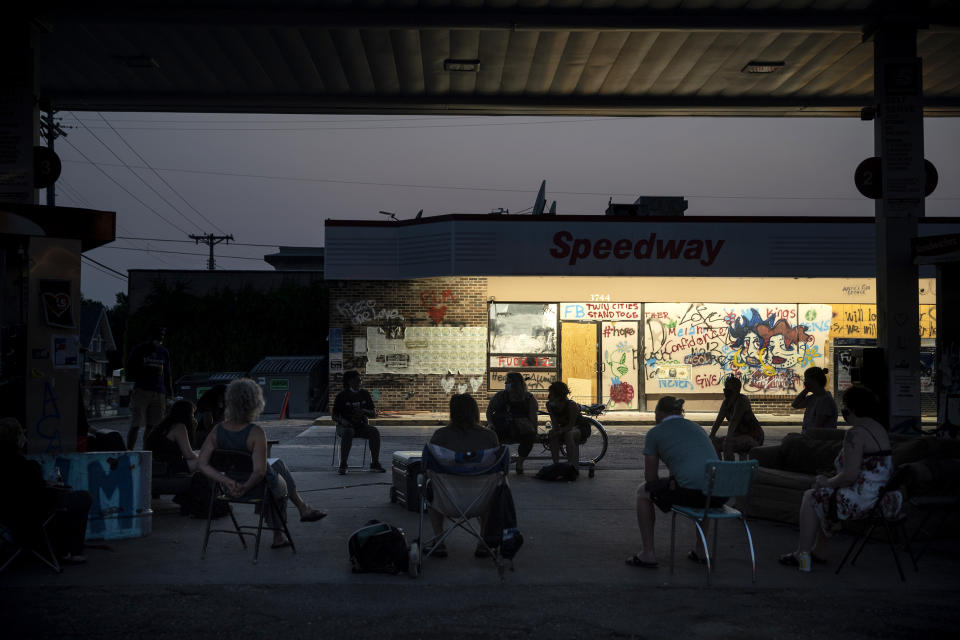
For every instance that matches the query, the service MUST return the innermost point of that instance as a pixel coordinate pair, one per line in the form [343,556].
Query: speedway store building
[624,310]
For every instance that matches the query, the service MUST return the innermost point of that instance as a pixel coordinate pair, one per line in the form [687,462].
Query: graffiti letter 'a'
[47,427]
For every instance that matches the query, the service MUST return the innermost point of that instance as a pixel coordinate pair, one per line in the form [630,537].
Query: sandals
[790,560]
[313,515]
[636,561]
[693,556]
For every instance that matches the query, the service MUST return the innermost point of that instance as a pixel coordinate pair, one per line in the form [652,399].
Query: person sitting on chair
[512,414]
[819,407]
[864,466]
[29,500]
[352,409]
[683,446]
[743,429]
[171,440]
[209,412]
[463,434]
[564,418]
[244,404]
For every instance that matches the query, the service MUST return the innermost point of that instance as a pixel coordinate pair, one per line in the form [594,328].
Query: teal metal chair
[729,479]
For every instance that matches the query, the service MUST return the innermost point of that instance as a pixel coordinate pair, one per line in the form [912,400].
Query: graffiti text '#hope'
[566,246]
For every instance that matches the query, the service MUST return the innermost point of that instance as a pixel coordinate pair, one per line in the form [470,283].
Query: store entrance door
[578,356]
[620,360]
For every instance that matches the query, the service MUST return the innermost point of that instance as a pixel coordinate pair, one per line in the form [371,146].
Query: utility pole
[211,240]
[50,129]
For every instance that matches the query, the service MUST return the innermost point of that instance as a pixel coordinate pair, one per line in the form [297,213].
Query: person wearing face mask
[743,429]
[819,407]
[864,466]
[149,368]
[564,417]
[352,409]
[512,414]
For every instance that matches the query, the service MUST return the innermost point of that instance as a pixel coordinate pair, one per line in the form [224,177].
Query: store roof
[512,57]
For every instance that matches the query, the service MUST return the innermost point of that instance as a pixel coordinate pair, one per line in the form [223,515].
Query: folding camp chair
[887,512]
[238,465]
[730,479]
[41,548]
[461,487]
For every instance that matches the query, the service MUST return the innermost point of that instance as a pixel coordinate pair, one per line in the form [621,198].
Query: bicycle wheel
[595,447]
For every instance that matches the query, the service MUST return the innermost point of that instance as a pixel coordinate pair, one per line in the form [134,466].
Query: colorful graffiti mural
[692,347]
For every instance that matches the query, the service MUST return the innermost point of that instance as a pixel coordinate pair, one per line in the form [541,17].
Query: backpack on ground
[501,529]
[378,547]
[561,471]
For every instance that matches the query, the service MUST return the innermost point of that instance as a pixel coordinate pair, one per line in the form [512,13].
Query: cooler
[406,466]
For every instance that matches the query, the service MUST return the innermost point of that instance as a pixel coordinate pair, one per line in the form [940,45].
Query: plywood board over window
[578,357]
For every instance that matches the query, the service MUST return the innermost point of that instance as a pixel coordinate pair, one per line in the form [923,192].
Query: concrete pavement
[570,580]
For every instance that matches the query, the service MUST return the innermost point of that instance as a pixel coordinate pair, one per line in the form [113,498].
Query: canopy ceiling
[571,57]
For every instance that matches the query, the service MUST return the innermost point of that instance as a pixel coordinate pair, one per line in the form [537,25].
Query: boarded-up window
[523,328]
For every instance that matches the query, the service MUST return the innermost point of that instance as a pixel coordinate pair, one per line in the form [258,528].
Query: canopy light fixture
[756,66]
[139,62]
[451,64]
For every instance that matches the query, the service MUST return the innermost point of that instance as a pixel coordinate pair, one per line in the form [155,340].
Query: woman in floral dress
[864,466]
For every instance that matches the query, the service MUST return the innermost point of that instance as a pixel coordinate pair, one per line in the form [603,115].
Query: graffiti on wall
[47,426]
[694,347]
[367,312]
[425,350]
[586,311]
[434,302]
[535,380]
[860,321]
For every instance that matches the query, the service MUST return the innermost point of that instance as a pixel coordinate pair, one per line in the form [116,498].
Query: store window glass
[523,328]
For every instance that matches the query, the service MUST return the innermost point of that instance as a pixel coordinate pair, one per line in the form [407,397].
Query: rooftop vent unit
[646,206]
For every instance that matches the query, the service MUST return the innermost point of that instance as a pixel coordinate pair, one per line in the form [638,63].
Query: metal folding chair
[335,459]
[16,546]
[728,479]
[888,513]
[238,465]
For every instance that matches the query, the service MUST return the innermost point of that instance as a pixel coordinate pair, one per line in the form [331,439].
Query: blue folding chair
[729,479]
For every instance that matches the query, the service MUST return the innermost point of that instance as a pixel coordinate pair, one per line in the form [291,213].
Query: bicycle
[593,446]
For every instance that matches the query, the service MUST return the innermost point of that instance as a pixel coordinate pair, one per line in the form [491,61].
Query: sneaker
[342,471]
[375,466]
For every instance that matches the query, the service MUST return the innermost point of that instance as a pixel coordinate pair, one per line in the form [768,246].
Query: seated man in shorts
[685,449]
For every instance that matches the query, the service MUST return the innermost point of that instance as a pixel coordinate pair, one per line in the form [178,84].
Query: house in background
[96,339]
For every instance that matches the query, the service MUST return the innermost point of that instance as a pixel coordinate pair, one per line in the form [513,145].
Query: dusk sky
[273,179]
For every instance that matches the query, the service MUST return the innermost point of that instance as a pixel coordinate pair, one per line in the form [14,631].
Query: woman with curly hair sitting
[244,404]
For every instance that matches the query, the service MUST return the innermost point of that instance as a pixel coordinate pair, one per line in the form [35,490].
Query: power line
[491,189]
[181,253]
[138,176]
[235,244]
[260,121]
[156,173]
[128,192]
[105,269]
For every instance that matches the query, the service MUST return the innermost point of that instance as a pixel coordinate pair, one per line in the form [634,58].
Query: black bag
[561,471]
[378,547]
[501,526]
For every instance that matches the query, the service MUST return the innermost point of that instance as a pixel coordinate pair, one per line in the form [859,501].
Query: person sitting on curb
[743,429]
[352,409]
[512,414]
[685,449]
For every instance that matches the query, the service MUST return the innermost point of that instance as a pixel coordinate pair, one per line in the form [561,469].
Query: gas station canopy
[501,57]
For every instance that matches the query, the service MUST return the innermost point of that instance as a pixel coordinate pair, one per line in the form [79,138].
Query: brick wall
[428,302]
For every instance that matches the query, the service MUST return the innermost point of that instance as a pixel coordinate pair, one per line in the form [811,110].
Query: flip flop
[313,515]
[635,561]
[693,556]
[789,560]
[280,545]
